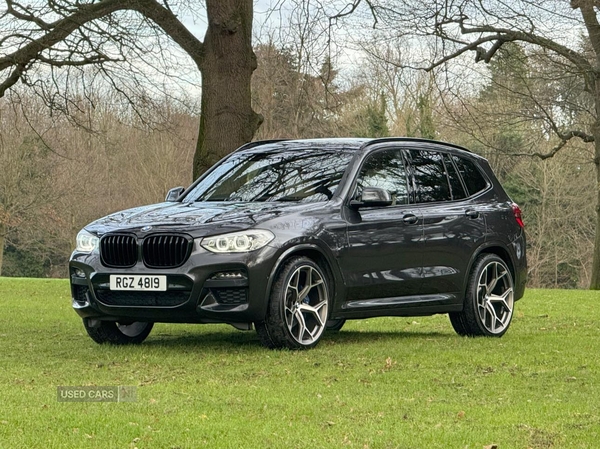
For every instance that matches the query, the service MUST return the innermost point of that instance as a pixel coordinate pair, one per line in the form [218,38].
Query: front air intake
[166,250]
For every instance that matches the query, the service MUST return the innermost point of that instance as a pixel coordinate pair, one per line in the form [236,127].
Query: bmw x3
[294,237]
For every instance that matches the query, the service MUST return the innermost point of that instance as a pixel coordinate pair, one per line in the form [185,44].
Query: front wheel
[298,307]
[489,299]
[117,333]
[335,325]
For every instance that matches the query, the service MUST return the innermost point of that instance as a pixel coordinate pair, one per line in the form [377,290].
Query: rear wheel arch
[492,248]
[488,305]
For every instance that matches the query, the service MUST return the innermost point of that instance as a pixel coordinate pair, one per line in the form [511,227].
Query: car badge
[146,228]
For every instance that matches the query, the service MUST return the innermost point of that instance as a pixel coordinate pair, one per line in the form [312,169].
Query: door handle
[472,213]
[410,219]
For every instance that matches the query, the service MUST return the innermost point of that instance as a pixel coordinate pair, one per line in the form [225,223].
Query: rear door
[453,225]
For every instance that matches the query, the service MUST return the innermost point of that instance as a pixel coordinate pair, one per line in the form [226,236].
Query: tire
[335,325]
[116,333]
[298,307]
[489,299]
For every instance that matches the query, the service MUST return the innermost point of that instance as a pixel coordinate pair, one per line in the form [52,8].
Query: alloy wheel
[495,297]
[306,305]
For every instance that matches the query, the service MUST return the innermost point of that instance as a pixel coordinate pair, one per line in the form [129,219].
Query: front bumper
[196,292]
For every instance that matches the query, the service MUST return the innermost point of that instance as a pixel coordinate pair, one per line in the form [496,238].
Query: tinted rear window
[471,175]
[429,173]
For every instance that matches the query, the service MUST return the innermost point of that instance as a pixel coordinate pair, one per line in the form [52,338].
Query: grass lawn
[379,383]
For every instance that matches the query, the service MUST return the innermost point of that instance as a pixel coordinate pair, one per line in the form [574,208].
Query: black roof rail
[413,139]
[256,143]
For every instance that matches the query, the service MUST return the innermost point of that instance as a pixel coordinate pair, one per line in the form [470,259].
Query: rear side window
[474,180]
[429,174]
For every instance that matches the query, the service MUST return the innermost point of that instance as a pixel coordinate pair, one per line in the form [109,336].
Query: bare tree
[47,45]
[447,31]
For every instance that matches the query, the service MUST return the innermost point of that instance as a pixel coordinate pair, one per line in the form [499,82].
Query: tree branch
[61,29]
[591,22]
[510,35]
[565,138]
[10,8]
[96,59]
[12,79]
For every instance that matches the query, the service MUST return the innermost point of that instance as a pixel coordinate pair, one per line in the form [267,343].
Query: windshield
[307,175]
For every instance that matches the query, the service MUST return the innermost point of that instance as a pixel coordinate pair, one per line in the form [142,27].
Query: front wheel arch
[320,257]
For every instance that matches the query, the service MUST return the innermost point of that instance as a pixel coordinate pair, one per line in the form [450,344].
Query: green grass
[379,383]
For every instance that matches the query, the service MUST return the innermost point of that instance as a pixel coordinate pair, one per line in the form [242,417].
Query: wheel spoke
[294,281]
[289,317]
[497,277]
[315,311]
[483,284]
[493,316]
[503,299]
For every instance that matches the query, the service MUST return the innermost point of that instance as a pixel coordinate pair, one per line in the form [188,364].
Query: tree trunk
[2,236]
[227,119]
[595,283]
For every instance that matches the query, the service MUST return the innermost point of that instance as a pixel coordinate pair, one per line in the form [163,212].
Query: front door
[382,262]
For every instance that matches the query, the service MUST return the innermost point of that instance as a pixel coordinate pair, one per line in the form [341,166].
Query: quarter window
[385,169]
[474,180]
[456,186]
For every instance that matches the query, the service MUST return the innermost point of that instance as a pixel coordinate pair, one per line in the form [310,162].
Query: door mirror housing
[174,194]
[373,197]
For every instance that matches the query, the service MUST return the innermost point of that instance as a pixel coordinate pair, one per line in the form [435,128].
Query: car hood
[200,218]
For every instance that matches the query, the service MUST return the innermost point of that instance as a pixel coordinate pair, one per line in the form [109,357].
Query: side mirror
[174,193]
[373,197]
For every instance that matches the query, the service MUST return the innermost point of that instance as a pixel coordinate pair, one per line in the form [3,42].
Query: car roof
[348,143]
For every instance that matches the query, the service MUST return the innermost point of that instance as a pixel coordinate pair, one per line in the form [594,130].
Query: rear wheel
[489,300]
[298,307]
[117,333]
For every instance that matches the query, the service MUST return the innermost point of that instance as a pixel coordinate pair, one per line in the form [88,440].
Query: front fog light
[79,273]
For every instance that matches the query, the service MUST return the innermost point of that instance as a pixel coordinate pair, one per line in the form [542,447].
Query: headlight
[237,242]
[86,242]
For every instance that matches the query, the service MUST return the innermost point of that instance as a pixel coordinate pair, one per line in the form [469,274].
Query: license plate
[138,282]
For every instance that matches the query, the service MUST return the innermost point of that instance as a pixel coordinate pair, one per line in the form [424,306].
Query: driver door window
[385,169]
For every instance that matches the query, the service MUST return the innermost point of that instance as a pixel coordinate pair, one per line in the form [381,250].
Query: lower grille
[230,296]
[79,293]
[156,299]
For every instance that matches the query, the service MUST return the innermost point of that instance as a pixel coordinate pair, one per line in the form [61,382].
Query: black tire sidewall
[109,332]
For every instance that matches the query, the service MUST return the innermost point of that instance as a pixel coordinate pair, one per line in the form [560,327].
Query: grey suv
[295,237]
